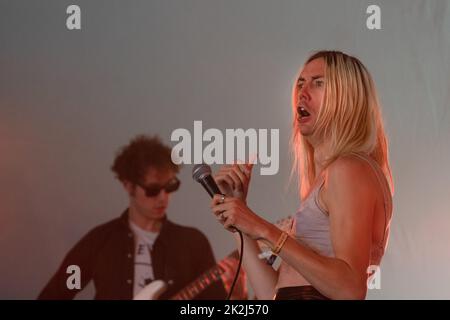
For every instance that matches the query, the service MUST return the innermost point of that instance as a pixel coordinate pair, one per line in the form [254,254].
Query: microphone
[202,174]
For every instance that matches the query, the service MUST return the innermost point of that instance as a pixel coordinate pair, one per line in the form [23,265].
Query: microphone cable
[239,265]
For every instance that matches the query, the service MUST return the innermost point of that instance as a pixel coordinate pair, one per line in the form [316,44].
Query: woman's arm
[349,196]
[263,278]
[233,181]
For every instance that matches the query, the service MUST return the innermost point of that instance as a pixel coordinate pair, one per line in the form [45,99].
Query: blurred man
[128,253]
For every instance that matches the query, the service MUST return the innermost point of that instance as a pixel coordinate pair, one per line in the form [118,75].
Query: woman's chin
[305,131]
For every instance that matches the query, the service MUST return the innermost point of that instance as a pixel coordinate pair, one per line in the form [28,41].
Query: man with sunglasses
[126,254]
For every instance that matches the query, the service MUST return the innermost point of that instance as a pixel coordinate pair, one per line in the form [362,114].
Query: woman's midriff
[289,277]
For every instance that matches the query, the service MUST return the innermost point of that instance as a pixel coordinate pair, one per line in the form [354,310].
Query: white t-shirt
[143,268]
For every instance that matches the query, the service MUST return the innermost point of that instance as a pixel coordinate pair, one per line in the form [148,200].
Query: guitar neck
[204,281]
[213,275]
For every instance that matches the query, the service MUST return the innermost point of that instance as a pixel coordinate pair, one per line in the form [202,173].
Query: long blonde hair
[349,119]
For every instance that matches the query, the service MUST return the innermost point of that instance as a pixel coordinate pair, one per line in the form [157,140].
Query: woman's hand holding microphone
[231,208]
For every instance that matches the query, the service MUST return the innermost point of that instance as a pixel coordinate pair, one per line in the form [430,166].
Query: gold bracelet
[280,242]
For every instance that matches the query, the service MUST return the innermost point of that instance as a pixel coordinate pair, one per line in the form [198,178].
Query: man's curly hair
[133,160]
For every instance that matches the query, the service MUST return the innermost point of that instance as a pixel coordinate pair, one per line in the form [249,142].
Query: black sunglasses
[154,189]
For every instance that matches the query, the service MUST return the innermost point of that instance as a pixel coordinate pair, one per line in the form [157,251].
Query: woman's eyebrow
[301,79]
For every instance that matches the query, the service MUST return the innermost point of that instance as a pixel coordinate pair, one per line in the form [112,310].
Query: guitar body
[152,291]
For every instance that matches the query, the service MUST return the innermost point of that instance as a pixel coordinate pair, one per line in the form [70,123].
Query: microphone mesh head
[200,171]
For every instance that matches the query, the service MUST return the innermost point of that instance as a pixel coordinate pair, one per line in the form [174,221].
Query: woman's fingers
[217,199]
[233,180]
[249,167]
[224,177]
[221,199]
[240,180]
[223,208]
[245,171]
[238,183]
[229,224]
[220,204]
[219,208]
[242,176]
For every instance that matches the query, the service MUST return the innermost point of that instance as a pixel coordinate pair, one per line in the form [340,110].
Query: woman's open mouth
[302,113]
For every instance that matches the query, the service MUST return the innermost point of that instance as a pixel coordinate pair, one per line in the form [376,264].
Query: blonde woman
[341,157]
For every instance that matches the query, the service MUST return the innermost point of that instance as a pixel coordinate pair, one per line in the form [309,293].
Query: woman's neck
[319,159]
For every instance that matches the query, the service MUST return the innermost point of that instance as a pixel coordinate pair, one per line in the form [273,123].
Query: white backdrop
[69,99]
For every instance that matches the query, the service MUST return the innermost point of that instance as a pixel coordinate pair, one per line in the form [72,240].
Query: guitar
[155,289]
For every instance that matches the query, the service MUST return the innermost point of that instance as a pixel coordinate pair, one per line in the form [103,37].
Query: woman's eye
[319,83]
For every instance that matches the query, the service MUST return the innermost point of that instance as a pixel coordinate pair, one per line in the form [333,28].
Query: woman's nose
[303,93]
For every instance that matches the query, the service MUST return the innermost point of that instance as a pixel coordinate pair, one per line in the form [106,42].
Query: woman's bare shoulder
[351,175]
[349,167]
